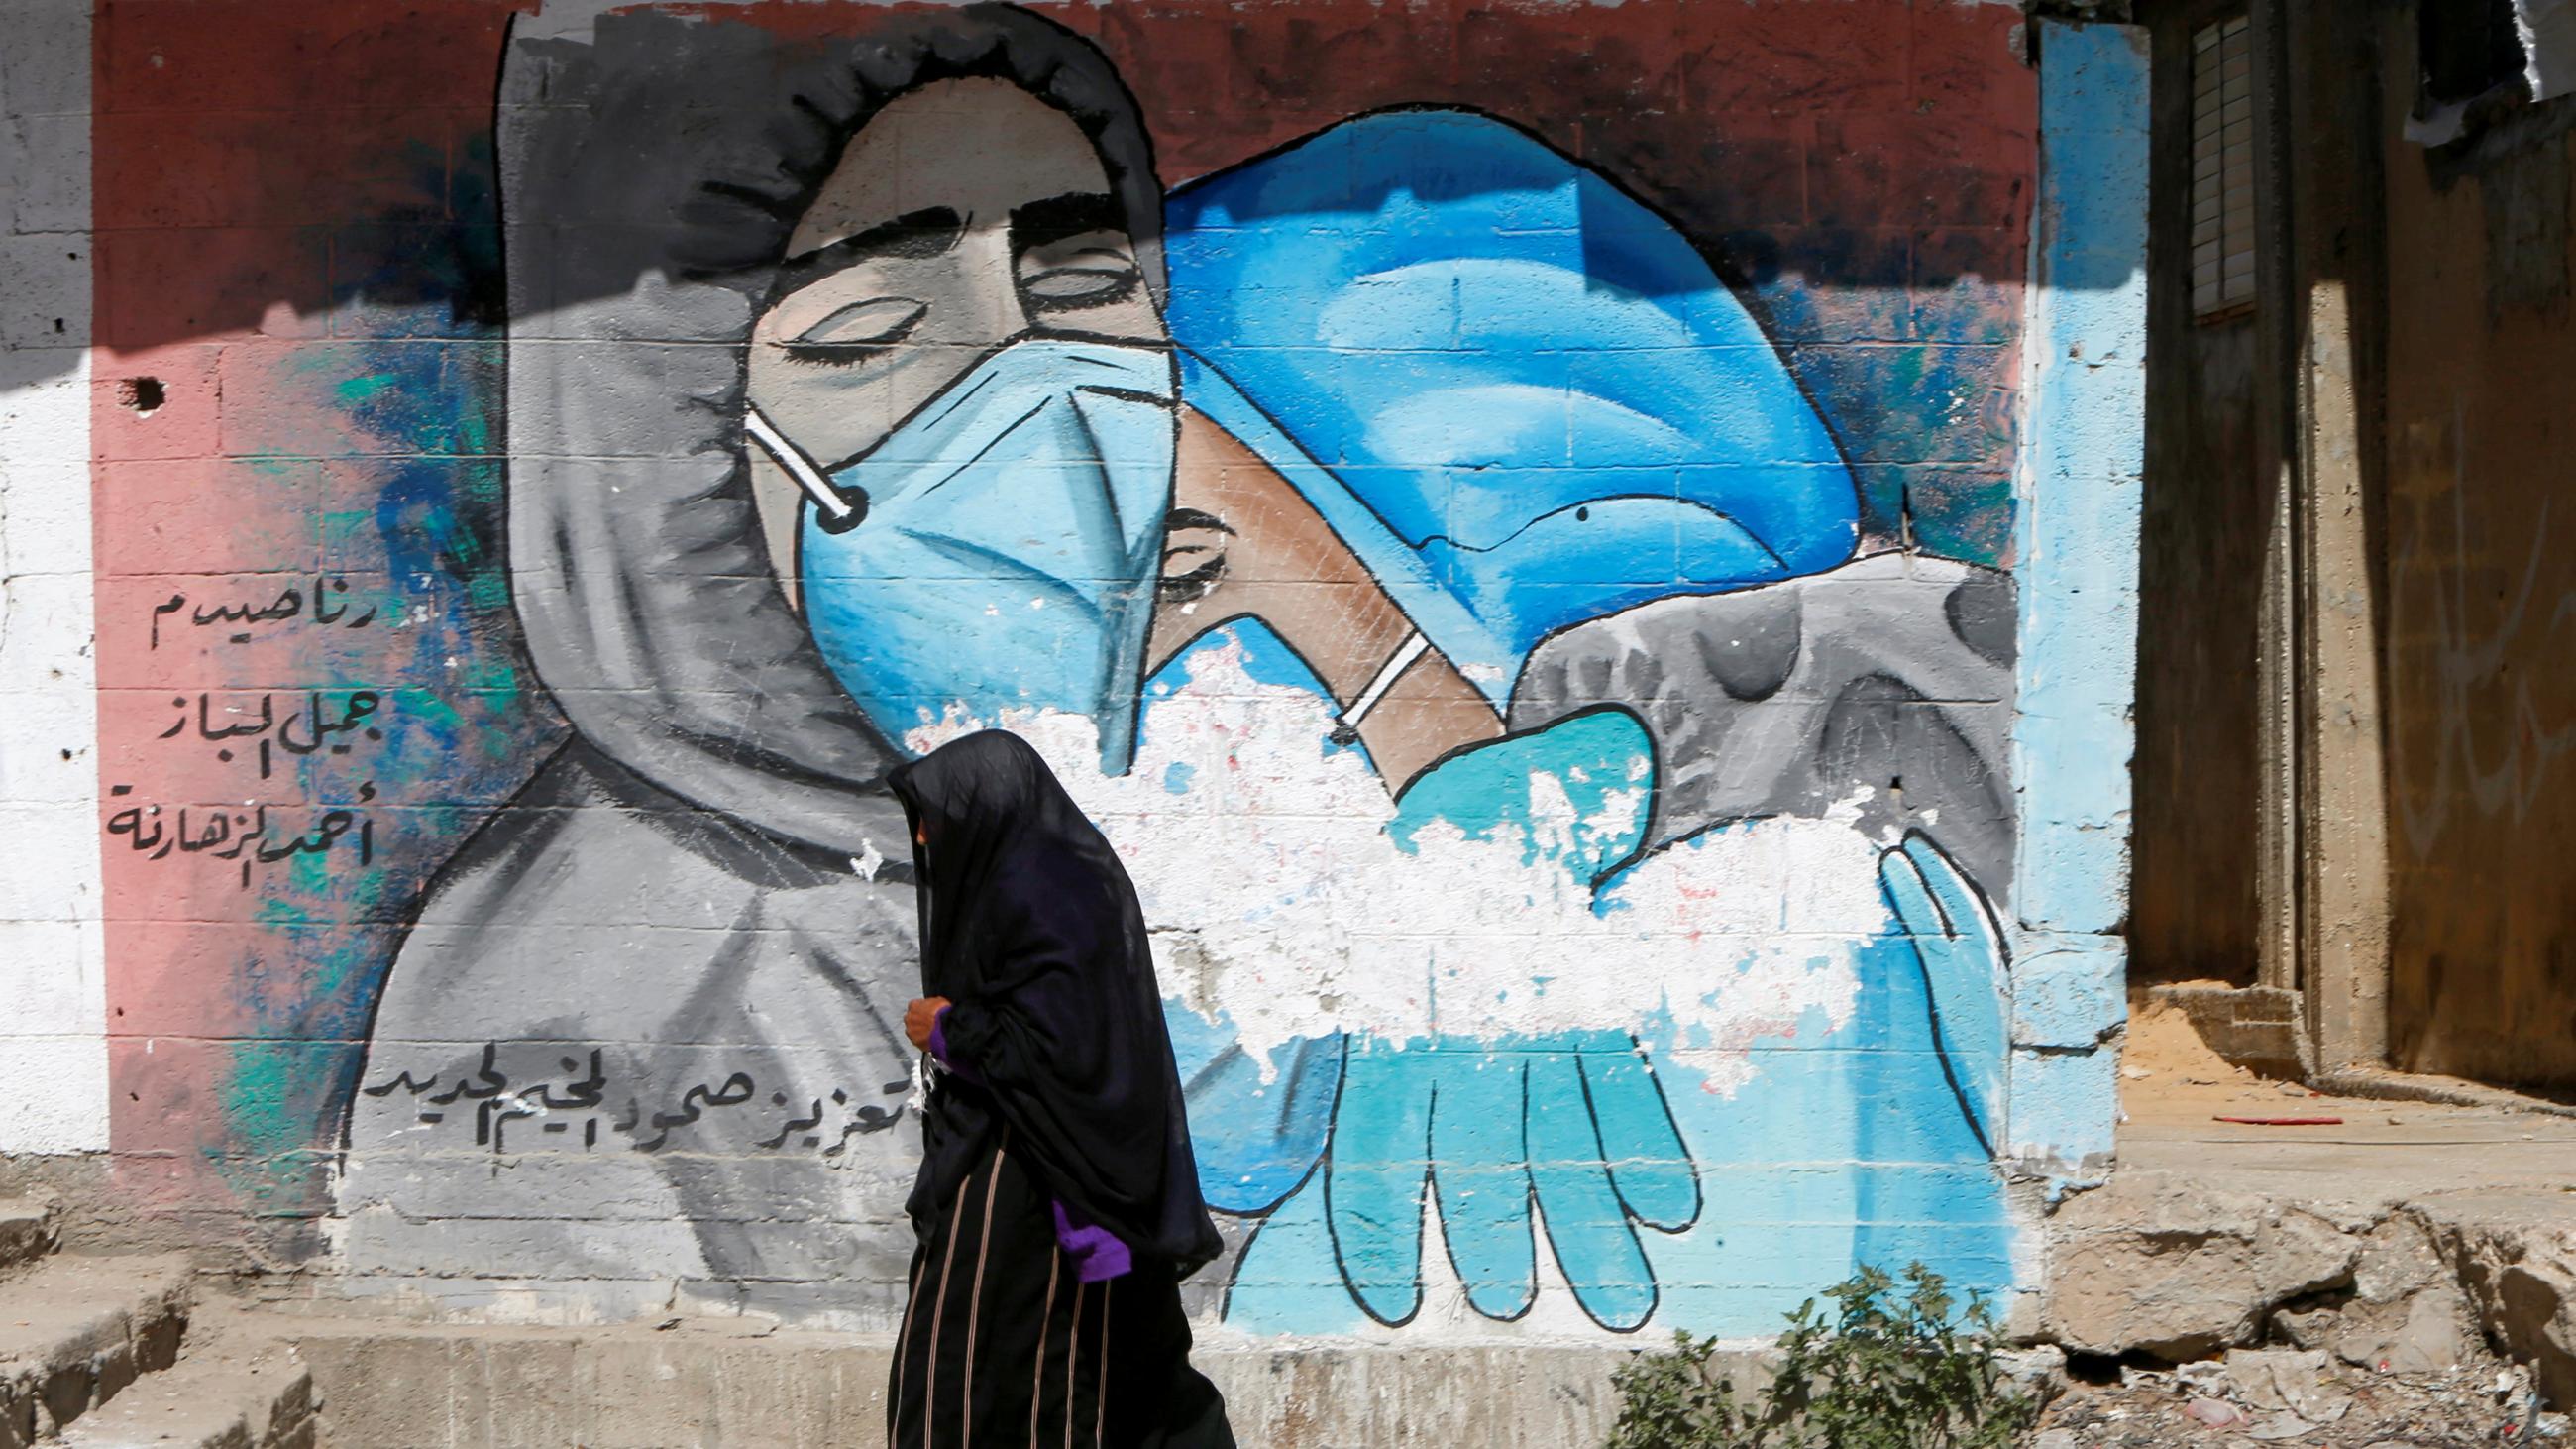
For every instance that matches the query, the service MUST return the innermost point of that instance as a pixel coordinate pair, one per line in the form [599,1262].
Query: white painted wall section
[53,994]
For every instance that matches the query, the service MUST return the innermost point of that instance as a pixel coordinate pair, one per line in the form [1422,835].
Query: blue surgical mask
[1000,549]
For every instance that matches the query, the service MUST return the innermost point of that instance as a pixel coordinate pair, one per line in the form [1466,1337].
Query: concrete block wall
[1594,601]
[53,1054]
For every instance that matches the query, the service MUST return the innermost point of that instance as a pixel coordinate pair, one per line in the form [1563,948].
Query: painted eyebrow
[924,233]
[1057,217]
[1189,518]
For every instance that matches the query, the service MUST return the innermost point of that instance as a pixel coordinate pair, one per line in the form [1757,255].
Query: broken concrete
[229,1390]
[27,1230]
[2515,1257]
[2287,1381]
[2451,1225]
[100,1352]
[2405,1311]
[2153,1265]
[2428,1336]
[74,1332]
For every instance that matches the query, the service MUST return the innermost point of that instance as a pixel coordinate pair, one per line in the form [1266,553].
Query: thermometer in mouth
[839,513]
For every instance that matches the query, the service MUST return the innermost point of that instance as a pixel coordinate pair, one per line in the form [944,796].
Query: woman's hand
[920,1017]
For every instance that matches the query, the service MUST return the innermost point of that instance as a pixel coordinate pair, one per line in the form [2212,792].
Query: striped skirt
[1001,1346]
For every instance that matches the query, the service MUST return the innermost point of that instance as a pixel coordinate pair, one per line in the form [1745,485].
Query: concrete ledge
[723,1383]
[2385,1086]
[2515,1254]
[74,1332]
[223,1393]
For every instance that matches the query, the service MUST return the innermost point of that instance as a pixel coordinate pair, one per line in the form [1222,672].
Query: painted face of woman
[964,403]
[962,216]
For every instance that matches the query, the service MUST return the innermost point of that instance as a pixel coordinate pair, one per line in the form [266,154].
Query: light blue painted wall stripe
[2082,455]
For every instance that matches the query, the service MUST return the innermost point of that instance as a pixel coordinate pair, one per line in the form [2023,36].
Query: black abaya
[1065,1102]
[1003,1344]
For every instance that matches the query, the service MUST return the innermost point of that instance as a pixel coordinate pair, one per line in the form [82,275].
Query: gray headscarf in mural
[648,195]
[669,965]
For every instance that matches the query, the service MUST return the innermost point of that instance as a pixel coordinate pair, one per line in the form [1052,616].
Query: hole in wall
[2093,1368]
[141,396]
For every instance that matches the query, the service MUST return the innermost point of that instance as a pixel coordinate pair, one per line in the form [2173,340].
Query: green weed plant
[1887,1367]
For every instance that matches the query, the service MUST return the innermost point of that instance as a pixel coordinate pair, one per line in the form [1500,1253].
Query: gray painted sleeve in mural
[1884,685]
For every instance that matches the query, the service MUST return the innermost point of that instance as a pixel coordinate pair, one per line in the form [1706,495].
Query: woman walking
[1058,1203]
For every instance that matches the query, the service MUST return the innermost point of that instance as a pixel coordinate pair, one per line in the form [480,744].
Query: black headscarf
[1030,926]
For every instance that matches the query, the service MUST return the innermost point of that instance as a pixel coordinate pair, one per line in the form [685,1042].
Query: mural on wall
[1569,801]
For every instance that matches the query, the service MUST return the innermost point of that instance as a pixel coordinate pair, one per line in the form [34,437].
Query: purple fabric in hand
[1097,1254]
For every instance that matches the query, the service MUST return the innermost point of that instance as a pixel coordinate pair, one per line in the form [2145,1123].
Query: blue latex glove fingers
[1587,1225]
[1480,1175]
[1962,955]
[1649,1167]
[1374,1176]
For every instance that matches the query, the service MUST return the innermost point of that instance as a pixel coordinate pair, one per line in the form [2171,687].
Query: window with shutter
[2222,168]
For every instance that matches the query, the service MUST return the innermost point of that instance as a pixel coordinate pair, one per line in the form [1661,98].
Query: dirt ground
[2176,1096]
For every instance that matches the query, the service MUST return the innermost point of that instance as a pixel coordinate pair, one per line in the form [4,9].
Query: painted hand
[1571,1124]
[1961,952]
[1258,1125]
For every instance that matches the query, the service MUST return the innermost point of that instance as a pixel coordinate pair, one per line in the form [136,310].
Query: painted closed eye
[1083,284]
[1194,581]
[1092,268]
[856,333]
[1194,555]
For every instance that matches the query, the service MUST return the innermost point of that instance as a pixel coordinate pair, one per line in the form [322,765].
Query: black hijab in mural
[1030,927]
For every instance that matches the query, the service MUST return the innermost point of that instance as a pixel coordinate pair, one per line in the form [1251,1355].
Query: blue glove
[1960,951]
[1256,1139]
[1571,1122]
[1485,791]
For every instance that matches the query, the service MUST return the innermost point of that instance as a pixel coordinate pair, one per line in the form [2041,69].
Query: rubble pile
[2302,1399]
